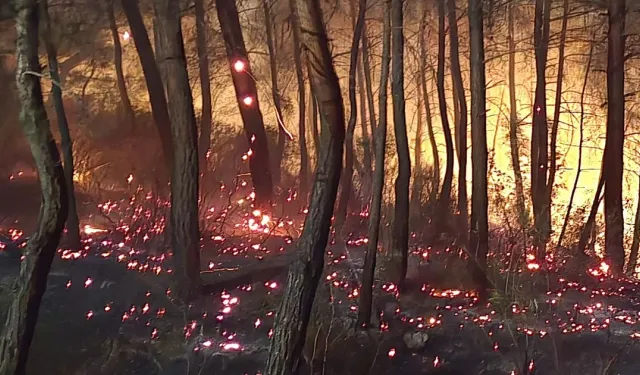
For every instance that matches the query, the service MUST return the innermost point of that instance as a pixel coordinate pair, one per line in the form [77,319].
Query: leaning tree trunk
[479,233]
[461,124]
[539,142]
[185,237]
[155,87]
[635,243]
[366,294]
[367,158]
[400,228]
[347,173]
[204,141]
[73,222]
[247,95]
[290,326]
[303,177]
[445,192]
[585,233]
[313,113]
[614,146]
[22,315]
[125,102]
[368,83]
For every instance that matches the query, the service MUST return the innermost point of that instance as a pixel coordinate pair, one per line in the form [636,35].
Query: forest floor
[108,308]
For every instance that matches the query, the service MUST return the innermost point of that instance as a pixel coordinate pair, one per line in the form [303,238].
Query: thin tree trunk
[66,144]
[125,102]
[635,244]
[613,213]
[368,84]
[445,192]
[585,233]
[461,124]
[366,142]
[418,175]
[155,87]
[347,173]
[369,267]
[580,144]
[539,131]
[290,326]
[185,236]
[247,95]
[302,129]
[400,227]
[204,141]
[275,93]
[313,104]
[22,315]
[479,233]
[523,216]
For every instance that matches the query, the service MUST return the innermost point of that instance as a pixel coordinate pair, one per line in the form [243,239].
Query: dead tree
[366,294]
[204,142]
[22,315]
[290,326]
[247,96]
[73,221]
[185,237]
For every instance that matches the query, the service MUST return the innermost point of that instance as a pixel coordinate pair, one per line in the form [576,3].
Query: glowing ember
[88,282]
[88,229]
[239,66]
[231,346]
[392,352]
[126,35]
[247,100]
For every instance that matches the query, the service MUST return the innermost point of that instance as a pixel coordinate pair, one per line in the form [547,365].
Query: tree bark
[73,221]
[155,87]
[365,303]
[368,84]
[635,243]
[523,216]
[247,92]
[185,236]
[290,326]
[125,102]
[585,233]
[479,234]
[313,104]
[400,227]
[461,124]
[204,141]
[367,158]
[539,131]
[614,146]
[418,175]
[22,315]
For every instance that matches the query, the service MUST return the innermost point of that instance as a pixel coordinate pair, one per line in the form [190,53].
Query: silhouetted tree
[204,142]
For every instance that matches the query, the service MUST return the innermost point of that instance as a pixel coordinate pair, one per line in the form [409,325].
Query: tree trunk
[303,177]
[22,315]
[275,93]
[66,144]
[368,84]
[313,104]
[479,234]
[127,109]
[400,227]
[461,124]
[366,142]
[151,73]
[185,237]
[204,142]
[614,147]
[290,326]
[523,216]
[445,192]
[635,244]
[585,234]
[539,143]
[247,95]
[347,173]
[369,268]
[418,175]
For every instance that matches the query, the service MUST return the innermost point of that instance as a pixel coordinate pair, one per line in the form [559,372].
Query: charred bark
[635,243]
[368,84]
[22,315]
[585,233]
[367,158]
[204,141]
[292,319]
[185,236]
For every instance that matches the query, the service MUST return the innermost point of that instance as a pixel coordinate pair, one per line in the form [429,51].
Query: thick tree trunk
[275,93]
[368,84]
[303,177]
[247,95]
[204,141]
[523,216]
[290,326]
[635,243]
[152,77]
[73,222]
[365,303]
[445,192]
[614,147]
[127,109]
[185,237]
[347,173]
[461,124]
[400,227]
[479,234]
[22,315]
[539,132]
